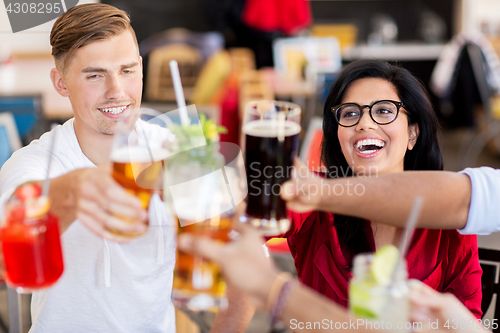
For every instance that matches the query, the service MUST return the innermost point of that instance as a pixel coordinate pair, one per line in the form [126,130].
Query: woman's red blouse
[443,259]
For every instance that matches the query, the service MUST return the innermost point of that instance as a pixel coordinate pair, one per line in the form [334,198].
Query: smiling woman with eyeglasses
[378,119]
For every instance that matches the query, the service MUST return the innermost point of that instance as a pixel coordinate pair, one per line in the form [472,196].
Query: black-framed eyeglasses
[382,112]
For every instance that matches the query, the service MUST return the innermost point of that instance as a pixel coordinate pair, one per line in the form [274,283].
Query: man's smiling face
[104,81]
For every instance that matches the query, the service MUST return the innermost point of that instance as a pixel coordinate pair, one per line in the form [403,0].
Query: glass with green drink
[203,186]
[378,291]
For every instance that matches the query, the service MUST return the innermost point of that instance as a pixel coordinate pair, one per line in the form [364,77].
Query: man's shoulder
[42,146]
[31,160]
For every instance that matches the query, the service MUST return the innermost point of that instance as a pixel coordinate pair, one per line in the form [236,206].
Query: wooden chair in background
[159,87]
[253,87]
[242,59]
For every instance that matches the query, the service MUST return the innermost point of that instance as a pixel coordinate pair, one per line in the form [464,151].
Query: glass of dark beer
[271,131]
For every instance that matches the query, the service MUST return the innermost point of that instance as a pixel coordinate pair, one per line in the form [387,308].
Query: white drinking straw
[404,243]
[179,93]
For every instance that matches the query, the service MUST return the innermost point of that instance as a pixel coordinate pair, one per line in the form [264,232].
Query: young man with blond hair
[108,285]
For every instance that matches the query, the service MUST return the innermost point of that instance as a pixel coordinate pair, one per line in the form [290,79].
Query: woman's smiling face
[370,148]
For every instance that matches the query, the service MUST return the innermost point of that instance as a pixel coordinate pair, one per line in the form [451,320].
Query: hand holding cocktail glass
[30,240]
[31,244]
[431,306]
[243,261]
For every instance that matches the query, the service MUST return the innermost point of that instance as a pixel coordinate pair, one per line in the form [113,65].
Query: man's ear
[57,79]
[413,133]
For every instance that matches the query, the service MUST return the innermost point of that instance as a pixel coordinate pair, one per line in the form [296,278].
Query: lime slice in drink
[363,312]
[384,263]
[364,300]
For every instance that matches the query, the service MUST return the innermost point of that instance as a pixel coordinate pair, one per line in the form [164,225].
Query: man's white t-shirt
[106,286]
[484,211]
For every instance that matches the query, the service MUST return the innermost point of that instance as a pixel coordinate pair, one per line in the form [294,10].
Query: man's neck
[96,146]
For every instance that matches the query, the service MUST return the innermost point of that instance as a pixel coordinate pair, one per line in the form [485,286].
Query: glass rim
[292,108]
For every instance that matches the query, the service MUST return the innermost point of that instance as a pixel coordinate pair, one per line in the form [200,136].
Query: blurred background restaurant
[233,51]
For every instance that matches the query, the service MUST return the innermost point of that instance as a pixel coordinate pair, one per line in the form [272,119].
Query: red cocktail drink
[31,243]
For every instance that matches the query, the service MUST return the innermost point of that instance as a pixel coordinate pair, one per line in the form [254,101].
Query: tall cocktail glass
[203,187]
[378,299]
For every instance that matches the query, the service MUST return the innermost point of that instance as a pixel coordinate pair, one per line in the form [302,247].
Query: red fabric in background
[288,16]
[227,99]
[230,117]
[314,157]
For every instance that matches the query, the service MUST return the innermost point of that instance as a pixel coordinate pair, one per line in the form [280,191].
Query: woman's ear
[413,133]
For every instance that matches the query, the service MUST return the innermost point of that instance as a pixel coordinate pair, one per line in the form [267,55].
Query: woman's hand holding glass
[430,306]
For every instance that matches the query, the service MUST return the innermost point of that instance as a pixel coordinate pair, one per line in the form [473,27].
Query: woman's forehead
[369,90]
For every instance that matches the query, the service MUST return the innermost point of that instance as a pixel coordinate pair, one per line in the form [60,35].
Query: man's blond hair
[85,24]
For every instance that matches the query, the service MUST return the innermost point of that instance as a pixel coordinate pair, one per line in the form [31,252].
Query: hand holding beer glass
[140,145]
[271,143]
[203,186]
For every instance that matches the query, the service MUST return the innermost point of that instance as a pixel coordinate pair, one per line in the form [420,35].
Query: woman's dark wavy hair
[425,155]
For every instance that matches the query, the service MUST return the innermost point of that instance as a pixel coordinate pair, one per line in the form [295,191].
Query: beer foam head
[138,155]
[269,128]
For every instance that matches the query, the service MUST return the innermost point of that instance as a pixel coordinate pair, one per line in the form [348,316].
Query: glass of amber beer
[141,143]
[271,131]
[203,187]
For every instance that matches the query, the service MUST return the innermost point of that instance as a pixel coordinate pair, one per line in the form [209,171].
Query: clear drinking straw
[179,93]
[404,243]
